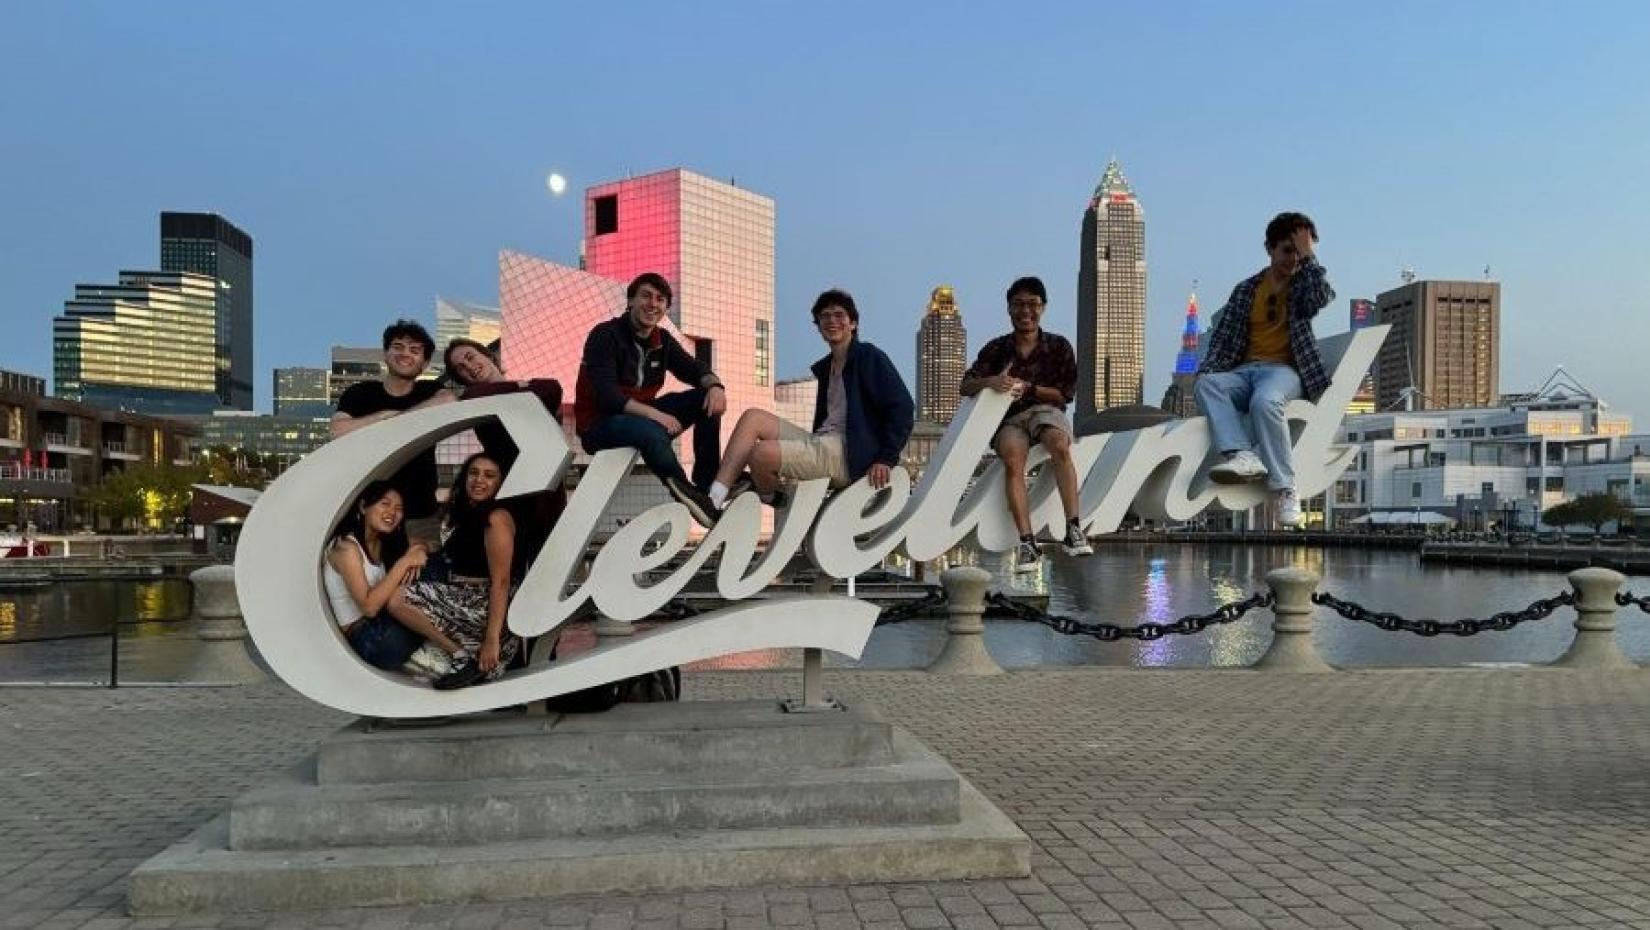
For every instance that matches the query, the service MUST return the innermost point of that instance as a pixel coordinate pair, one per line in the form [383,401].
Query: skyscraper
[208,244]
[1445,343]
[1111,298]
[302,392]
[144,345]
[942,357]
[1181,399]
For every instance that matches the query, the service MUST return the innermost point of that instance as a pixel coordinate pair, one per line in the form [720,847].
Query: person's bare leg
[764,465]
[1058,444]
[413,619]
[1012,449]
[754,426]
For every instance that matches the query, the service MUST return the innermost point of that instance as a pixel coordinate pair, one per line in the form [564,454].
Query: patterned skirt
[460,611]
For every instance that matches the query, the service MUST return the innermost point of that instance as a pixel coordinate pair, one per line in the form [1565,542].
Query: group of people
[442,616]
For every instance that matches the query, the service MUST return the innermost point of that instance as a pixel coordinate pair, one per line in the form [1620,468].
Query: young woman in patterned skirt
[480,549]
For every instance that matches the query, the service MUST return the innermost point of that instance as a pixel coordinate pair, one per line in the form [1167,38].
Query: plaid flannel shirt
[1309,292]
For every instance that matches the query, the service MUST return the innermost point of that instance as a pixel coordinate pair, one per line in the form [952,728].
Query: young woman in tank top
[366,597]
[481,551]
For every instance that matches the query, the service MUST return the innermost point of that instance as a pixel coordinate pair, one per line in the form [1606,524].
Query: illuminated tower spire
[1186,362]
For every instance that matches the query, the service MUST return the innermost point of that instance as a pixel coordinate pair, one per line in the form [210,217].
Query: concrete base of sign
[644,798]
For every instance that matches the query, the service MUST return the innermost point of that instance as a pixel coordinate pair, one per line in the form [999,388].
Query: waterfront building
[208,244]
[1111,298]
[145,344]
[54,450]
[1362,315]
[460,319]
[942,357]
[352,365]
[1444,350]
[1502,465]
[1181,398]
[302,392]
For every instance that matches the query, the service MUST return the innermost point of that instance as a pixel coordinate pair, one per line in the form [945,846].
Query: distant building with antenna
[1444,349]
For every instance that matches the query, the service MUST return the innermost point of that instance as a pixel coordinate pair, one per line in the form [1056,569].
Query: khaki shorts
[1029,424]
[804,455]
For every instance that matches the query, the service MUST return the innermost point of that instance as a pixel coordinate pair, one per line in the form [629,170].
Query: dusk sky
[381,154]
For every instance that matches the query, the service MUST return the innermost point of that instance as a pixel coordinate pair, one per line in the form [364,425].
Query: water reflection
[1119,584]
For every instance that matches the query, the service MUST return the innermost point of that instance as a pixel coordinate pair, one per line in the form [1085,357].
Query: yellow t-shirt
[1269,323]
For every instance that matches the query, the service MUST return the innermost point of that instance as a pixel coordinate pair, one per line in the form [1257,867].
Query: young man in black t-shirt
[407,351]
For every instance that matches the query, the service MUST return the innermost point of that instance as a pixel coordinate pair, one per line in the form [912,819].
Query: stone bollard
[1595,642]
[965,652]
[1292,649]
[222,658]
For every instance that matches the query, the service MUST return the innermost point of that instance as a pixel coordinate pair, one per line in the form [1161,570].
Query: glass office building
[208,244]
[146,344]
[942,357]
[1111,298]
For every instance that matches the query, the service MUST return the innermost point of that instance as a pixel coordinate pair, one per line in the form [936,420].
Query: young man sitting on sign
[617,400]
[863,415]
[1040,370]
[1261,356]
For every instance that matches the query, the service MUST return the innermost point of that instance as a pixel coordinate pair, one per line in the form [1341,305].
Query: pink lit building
[712,241]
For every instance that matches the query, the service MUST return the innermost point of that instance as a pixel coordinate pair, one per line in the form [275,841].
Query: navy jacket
[880,410]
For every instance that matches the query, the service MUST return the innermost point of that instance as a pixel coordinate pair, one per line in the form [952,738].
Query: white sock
[718,493]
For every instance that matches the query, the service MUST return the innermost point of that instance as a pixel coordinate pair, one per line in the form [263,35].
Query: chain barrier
[1392,623]
[1629,599]
[1145,632]
[899,613]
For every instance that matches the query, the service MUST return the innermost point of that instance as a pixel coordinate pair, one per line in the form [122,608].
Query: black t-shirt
[417,479]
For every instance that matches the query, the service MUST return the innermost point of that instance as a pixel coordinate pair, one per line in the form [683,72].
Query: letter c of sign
[278,578]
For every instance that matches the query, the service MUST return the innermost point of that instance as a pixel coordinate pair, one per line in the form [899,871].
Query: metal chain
[900,613]
[1506,620]
[1628,599]
[1145,632]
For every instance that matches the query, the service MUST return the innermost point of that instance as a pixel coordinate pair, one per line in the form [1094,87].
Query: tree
[1595,510]
[155,496]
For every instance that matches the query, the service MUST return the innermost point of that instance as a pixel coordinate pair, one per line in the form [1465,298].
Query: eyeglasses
[1032,304]
[832,315]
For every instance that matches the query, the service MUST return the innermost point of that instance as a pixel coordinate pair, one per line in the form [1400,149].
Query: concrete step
[916,789]
[202,875]
[731,736]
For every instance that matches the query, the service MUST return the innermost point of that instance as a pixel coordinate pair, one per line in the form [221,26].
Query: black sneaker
[779,500]
[697,502]
[742,486]
[1028,557]
[466,672]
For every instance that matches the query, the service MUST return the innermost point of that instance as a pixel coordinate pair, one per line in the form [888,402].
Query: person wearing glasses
[1040,369]
[863,415]
[1262,355]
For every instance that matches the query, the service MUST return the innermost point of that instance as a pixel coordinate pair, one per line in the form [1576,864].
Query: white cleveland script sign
[1155,472]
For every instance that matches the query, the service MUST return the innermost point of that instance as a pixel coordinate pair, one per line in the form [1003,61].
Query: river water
[1120,583]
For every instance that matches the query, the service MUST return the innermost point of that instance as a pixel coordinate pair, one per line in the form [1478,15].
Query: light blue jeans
[1262,390]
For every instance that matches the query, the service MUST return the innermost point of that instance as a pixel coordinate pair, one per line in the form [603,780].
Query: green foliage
[153,496]
[1593,510]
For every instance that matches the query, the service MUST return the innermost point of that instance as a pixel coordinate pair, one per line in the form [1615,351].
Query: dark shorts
[383,643]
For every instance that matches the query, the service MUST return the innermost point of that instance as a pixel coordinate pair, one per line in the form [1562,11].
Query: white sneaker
[1239,468]
[1075,542]
[1289,508]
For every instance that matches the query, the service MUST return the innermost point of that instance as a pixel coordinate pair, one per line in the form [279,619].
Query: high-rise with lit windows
[1111,298]
[942,357]
[208,244]
[145,344]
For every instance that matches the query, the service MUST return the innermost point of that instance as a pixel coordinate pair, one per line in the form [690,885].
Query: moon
[556,183]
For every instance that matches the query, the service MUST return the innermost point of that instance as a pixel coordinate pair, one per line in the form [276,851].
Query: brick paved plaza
[1460,798]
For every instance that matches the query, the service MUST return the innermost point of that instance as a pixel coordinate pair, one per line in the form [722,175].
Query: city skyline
[366,204]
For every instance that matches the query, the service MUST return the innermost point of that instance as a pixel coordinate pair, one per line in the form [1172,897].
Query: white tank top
[344,608]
